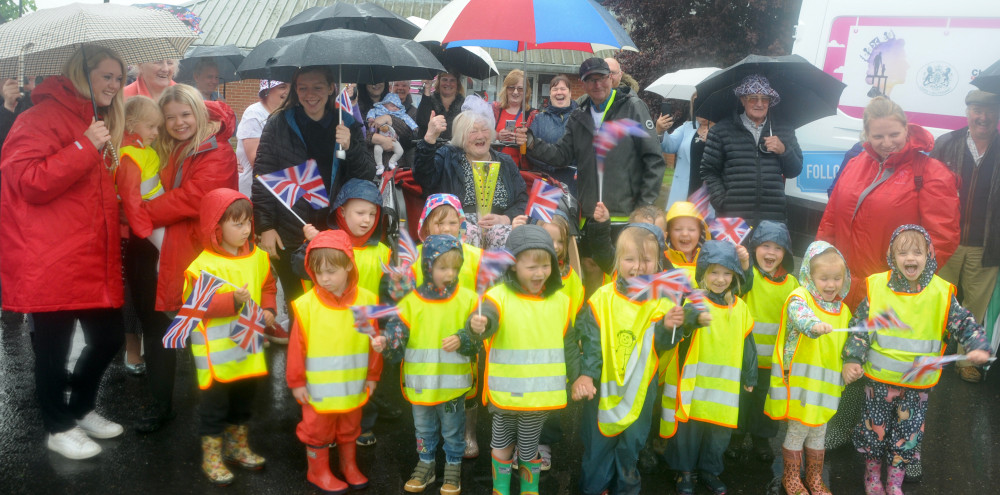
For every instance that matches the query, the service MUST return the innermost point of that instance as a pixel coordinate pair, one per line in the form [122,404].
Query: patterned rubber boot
[211,461]
[235,448]
[814,472]
[501,476]
[873,478]
[530,472]
[319,473]
[895,484]
[790,479]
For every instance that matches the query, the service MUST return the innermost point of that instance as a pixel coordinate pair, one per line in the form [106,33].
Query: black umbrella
[366,17]
[989,79]
[227,57]
[356,57]
[807,93]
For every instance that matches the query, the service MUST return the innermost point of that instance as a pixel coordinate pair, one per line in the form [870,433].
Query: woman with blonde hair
[511,105]
[195,158]
[60,240]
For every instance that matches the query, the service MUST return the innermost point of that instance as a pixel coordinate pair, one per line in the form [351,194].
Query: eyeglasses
[515,89]
[757,99]
[596,79]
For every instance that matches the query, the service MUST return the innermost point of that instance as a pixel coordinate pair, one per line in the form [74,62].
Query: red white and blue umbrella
[581,25]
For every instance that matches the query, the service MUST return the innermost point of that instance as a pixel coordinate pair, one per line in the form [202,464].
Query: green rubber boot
[530,472]
[501,476]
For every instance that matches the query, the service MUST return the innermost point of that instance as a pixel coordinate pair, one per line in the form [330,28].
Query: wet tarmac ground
[959,449]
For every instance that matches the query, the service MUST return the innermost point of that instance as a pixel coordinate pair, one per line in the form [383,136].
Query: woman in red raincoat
[195,158]
[891,183]
[59,240]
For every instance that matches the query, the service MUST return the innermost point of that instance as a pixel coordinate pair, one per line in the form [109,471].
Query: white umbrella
[41,42]
[680,85]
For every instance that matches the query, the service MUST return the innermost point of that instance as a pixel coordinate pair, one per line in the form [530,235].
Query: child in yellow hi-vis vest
[226,371]
[892,423]
[437,371]
[332,368]
[805,375]
[706,370]
[619,338]
[686,232]
[770,247]
[532,351]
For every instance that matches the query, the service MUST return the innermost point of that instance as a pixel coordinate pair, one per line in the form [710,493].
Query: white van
[920,53]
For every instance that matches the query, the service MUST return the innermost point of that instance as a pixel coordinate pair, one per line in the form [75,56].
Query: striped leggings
[521,428]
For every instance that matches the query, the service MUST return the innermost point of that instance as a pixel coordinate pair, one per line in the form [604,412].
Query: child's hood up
[357,189]
[897,281]
[721,253]
[805,273]
[433,202]
[434,247]
[776,232]
[528,237]
[333,239]
[213,206]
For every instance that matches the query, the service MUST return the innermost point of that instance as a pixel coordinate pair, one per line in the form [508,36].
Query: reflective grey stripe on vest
[320,391]
[527,356]
[201,362]
[812,398]
[633,381]
[334,363]
[880,362]
[419,383]
[235,353]
[148,185]
[218,332]
[711,395]
[715,396]
[670,391]
[764,350]
[908,345]
[715,371]
[667,414]
[766,328]
[817,373]
[778,393]
[433,356]
[520,386]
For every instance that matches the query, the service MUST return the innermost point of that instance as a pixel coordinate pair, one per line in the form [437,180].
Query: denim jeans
[447,420]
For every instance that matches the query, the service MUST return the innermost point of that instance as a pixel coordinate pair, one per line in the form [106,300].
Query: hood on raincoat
[721,253]
[776,232]
[434,246]
[528,237]
[434,201]
[334,239]
[357,189]
[213,206]
[665,263]
[805,272]
[686,209]
[379,109]
[918,140]
[220,112]
[897,281]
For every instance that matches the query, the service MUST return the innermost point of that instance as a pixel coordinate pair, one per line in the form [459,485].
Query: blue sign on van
[818,170]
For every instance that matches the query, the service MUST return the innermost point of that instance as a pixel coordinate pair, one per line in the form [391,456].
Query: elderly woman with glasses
[507,108]
[747,157]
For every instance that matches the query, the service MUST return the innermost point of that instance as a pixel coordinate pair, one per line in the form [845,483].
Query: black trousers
[141,262]
[51,340]
[291,284]
[752,420]
[226,404]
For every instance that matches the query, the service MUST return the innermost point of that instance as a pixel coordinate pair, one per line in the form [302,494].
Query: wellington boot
[211,461]
[791,480]
[814,472]
[873,478]
[501,476]
[349,465]
[530,472]
[319,473]
[236,448]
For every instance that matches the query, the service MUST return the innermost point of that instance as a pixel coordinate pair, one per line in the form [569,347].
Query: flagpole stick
[340,111]
[282,202]
[600,187]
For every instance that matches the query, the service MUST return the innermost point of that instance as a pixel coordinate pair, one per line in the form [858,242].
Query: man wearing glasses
[747,160]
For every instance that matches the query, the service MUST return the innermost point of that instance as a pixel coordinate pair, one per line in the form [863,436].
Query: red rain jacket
[212,166]
[59,238]
[861,227]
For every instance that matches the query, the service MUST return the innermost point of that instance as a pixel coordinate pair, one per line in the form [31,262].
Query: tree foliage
[680,34]
[9,9]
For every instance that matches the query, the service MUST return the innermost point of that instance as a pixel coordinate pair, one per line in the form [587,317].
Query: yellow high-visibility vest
[766,301]
[149,170]
[811,394]
[367,259]
[336,353]
[430,374]
[573,288]
[629,359]
[526,365]
[466,275]
[707,387]
[892,351]
[216,356]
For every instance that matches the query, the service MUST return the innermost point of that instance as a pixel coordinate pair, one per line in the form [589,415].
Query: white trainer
[73,444]
[96,426]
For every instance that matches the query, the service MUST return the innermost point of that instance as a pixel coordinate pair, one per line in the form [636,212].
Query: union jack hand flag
[492,264]
[610,134]
[928,364]
[702,202]
[407,253]
[344,102]
[733,229]
[671,284]
[193,310]
[886,320]
[300,181]
[697,298]
[544,201]
[248,331]
[364,314]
